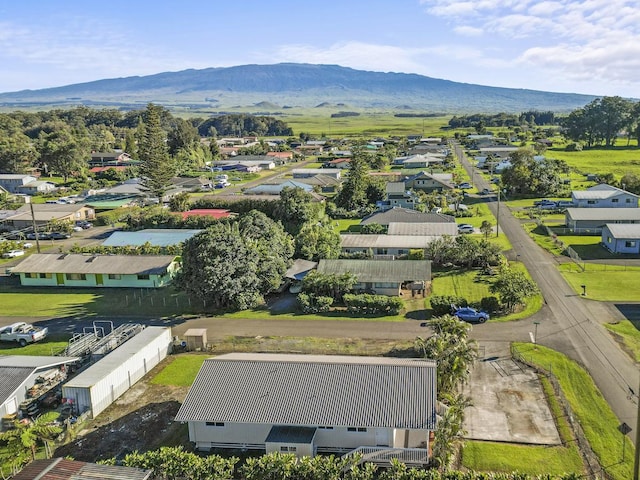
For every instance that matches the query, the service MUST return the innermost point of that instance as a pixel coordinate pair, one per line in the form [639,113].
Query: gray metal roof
[379,270]
[433,229]
[601,192]
[386,241]
[299,269]
[160,237]
[12,378]
[624,230]
[113,360]
[290,434]
[105,264]
[405,215]
[34,361]
[309,390]
[604,214]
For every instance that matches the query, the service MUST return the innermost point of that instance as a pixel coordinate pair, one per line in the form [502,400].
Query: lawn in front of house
[47,347]
[607,283]
[182,370]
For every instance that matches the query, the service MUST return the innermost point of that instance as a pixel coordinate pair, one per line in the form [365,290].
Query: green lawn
[628,332]
[617,160]
[182,371]
[47,347]
[608,283]
[346,225]
[589,406]
[20,301]
[533,460]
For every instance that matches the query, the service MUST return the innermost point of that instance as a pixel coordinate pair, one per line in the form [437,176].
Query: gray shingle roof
[290,434]
[405,215]
[379,270]
[386,241]
[310,390]
[105,264]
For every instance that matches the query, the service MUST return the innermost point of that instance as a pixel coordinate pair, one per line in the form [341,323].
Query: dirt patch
[141,419]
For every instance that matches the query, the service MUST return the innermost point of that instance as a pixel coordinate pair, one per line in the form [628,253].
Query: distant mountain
[303,85]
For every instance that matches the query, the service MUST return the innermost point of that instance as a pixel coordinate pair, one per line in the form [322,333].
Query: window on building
[115,276]
[628,200]
[30,275]
[630,243]
[356,429]
[614,200]
[215,424]
[286,448]
[325,428]
[44,275]
[76,276]
[608,239]
[143,277]
[591,202]
[381,251]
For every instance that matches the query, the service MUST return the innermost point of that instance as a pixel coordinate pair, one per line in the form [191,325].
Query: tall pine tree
[156,167]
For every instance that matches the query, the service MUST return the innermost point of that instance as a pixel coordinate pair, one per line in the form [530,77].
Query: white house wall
[253,436]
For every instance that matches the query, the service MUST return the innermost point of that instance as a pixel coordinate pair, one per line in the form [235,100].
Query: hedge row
[373,304]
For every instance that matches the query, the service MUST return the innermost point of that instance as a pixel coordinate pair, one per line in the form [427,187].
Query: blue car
[471,315]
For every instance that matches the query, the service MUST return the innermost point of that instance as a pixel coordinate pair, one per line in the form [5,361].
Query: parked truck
[22,333]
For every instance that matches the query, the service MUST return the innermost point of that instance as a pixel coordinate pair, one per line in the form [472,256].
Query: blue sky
[589,46]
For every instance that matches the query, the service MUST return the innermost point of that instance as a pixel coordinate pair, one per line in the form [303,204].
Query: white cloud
[468,31]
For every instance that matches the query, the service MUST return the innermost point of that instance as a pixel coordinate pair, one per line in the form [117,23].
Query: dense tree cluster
[238,125]
[531,117]
[232,265]
[602,120]
[531,175]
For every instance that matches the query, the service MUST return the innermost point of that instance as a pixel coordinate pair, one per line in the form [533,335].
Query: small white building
[604,196]
[305,404]
[312,172]
[102,383]
[12,182]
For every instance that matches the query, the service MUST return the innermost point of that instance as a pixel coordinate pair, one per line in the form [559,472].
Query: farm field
[617,160]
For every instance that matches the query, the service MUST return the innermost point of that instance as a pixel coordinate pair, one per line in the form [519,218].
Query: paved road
[570,323]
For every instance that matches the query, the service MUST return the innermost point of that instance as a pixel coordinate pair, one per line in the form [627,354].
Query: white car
[27,245]
[465,228]
[13,254]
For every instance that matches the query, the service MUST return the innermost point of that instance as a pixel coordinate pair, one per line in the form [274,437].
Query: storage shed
[196,339]
[101,384]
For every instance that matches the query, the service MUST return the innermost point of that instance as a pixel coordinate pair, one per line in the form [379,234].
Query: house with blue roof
[157,237]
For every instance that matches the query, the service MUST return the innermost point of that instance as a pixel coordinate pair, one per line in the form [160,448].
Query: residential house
[38,186]
[12,182]
[341,163]
[101,159]
[157,237]
[191,183]
[398,196]
[20,373]
[604,196]
[621,238]
[65,469]
[312,172]
[308,404]
[384,277]
[79,270]
[325,183]
[430,182]
[276,189]
[498,151]
[45,213]
[280,158]
[388,246]
[594,219]
[420,161]
[405,215]
[439,229]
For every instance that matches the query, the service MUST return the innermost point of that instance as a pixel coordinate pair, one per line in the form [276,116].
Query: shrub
[441,304]
[373,304]
[310,303]
[490,304]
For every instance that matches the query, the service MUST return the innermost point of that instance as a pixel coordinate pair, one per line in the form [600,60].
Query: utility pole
[498,214]
[35,228]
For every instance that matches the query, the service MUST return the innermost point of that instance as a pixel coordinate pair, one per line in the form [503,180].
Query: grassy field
[628,332]
[608,283]
[19,301]
[319,122]
[48,347]
[182,371]
[617,160]
[589,406]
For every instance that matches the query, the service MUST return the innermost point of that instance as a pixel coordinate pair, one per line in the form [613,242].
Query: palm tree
[25,437]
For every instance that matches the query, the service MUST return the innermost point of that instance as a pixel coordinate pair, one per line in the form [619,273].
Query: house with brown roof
[64,469]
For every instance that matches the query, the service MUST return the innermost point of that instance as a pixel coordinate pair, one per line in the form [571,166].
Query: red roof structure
[207,212]
[63,469]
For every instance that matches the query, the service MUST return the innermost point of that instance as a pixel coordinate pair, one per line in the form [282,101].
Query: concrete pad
[508,405]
